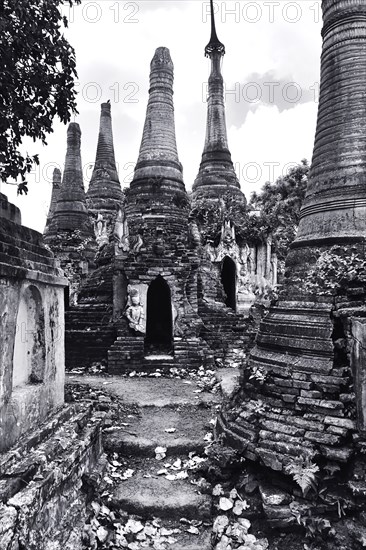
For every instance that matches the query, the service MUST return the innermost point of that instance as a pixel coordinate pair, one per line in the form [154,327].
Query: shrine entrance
[228,279]
[159,321]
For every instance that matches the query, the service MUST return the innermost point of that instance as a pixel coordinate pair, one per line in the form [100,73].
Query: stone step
[145,392]
[145,433]
[159,497]
[193,542]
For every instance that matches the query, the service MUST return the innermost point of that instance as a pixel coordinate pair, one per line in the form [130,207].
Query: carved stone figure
[100,230]
[228,233]
[135,311]
[121,233]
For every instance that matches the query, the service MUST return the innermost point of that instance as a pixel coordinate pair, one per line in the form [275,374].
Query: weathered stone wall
[32,348]
[43,481]
[358,365]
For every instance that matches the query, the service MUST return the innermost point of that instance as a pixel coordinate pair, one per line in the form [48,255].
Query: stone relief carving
[101,230]
[228,234]
[135,310]
[123,241]
[121,234]
[256,265]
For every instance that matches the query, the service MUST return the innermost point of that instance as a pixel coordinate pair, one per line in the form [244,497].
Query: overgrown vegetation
[210,215]
[303,472]
[335,270]
[273,211]
[279,206]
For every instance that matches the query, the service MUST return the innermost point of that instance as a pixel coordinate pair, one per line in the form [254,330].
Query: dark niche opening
[228,279]
[67,298]
[159,322]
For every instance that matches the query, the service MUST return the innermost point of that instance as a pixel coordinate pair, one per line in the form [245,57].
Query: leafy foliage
[37,71]
[279,204]
[317,531]
[210,215]
[303,472]
[273,211]
[335,269]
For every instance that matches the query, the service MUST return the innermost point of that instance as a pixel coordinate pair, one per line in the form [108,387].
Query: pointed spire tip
[214,44]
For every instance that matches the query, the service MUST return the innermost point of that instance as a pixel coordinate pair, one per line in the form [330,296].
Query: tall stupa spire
[104,194]
[71,213]
[216,173]
[214,44]
[158,174]
[56,186]
[335,201]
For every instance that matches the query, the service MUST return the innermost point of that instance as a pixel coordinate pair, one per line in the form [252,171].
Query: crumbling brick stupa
[233,268]
[164,285]
[302,398]
[68,230]
[154,256]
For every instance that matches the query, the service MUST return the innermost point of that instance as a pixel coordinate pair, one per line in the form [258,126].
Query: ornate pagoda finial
[214,44]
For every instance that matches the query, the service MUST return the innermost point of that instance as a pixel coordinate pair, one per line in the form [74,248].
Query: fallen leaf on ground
[217,490]
[102,534]
[133,526]
[160,453]
[225,504]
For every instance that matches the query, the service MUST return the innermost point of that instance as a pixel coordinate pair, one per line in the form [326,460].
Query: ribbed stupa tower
[56,186]
[216,174]
[104,195]
[157,188]
[71,213]
[69,233]
[155,264]
[306,373]
[89,327]
[233,268]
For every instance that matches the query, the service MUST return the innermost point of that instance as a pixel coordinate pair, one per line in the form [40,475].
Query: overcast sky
[271,70]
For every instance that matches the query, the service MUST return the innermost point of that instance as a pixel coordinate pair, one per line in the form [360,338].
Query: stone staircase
[89,334]
[127,354]
[166,413]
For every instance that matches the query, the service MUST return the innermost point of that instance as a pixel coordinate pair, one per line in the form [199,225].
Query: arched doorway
[159,321]
[29,357]
[228,279]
